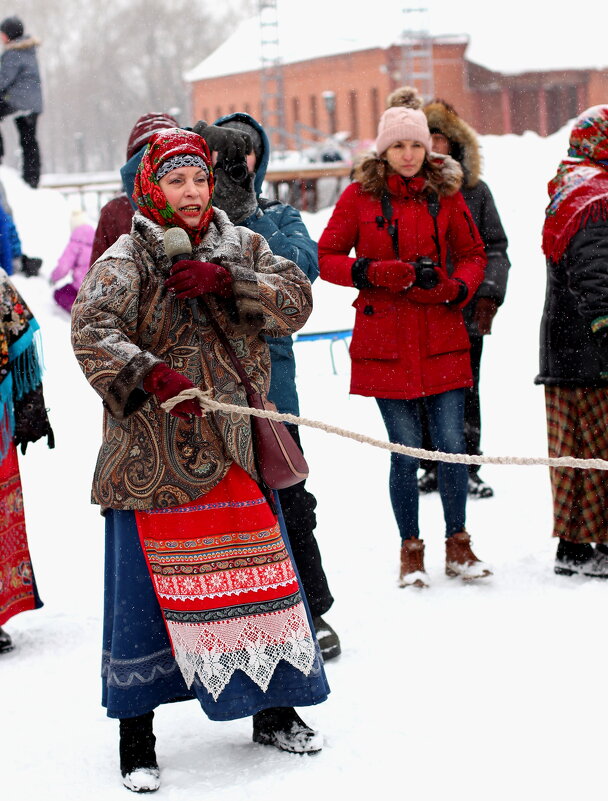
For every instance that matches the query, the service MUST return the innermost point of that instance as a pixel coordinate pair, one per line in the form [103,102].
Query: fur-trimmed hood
[23,43]
[443,118]
[444,175]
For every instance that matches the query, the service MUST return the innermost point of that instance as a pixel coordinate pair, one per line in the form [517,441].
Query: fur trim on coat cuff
[125,394]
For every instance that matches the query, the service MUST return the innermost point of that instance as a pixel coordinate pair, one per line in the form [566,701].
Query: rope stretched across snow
[208,403]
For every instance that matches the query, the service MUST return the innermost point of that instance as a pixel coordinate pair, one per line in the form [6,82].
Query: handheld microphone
[178,247]
[177,244]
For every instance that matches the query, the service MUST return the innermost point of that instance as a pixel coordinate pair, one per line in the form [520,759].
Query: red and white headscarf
[579,190]
[168,150]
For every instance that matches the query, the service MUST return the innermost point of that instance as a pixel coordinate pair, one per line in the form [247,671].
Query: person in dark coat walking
[403,214]
[21,93]
[282,227]
[451,136]
[574,344]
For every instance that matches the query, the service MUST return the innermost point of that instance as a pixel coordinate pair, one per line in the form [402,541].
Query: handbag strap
[240,370]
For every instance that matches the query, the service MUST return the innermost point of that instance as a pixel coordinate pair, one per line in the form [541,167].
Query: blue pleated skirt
[138,669]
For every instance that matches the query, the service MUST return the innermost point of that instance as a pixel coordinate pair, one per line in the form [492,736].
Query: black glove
[31,420]
[229,143]
[236,198]
[426,275]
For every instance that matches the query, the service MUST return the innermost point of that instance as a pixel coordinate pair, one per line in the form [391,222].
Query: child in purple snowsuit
[75,259]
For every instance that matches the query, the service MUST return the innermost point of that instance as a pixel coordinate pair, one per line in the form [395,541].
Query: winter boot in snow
[138,763]
[428,481]
[477,488]
[412,573]
[460,559]
[30,266]
[328,640]
[282,727]
[6,644]
[573,558]
[598,567]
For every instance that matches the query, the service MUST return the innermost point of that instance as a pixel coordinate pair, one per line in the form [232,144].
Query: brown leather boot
[412,573]
[460,559]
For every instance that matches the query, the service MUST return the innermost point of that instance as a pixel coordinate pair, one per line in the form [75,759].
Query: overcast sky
[512,36]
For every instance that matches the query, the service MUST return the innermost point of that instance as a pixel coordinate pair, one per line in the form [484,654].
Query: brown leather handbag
[279,460]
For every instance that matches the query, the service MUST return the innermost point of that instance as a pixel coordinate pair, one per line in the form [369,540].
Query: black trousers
[26,127]
[298,506]
[472,412]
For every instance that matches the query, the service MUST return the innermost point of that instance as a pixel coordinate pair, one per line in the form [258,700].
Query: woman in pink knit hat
[402,215]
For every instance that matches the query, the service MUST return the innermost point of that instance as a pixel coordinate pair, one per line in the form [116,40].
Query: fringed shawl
[578,192]
[20,356]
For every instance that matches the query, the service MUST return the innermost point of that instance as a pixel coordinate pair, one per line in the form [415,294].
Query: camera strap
[387,213]
[432,202]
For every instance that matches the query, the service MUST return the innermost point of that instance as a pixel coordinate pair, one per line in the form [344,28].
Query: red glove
[391,274]
[485,309]
[189,279]
[166,383]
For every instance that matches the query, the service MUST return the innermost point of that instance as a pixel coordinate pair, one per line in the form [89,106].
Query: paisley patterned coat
[124,322]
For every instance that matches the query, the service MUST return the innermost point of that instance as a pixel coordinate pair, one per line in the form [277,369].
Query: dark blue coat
[282,227]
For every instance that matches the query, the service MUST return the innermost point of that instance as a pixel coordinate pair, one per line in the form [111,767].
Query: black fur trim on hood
[443,118]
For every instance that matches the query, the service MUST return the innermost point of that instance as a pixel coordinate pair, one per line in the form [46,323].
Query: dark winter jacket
[478,197]
[571,354]
[282,227]
[19,75]
[117,214]
[405,345]
[115,220]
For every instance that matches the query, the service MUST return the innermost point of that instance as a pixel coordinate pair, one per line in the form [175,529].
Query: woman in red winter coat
[402,215]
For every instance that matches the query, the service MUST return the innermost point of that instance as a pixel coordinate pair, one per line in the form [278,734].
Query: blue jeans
[446,422]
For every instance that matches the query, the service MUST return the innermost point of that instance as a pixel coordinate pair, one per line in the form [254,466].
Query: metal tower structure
[417,53]
[271,75]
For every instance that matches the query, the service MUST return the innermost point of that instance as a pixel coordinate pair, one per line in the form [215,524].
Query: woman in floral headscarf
[574,344]
[23,419]
[201,598]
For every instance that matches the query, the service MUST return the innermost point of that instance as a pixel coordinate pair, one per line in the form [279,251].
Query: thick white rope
[208,403]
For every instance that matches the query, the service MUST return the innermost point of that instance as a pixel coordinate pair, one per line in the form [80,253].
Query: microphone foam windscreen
[176,242]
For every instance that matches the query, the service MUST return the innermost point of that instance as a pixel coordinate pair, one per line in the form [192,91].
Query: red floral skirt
[17,585]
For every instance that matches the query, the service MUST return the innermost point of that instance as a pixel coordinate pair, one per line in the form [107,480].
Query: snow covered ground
[459,692]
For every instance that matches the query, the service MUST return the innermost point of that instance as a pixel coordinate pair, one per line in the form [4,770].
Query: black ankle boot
[572,558]
[138,763]
[6,644]
[30,266]
[282,727]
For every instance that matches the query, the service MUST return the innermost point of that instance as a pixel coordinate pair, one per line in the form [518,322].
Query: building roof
[299,41]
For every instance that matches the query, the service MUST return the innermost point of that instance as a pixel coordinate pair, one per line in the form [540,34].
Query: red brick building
[492,102]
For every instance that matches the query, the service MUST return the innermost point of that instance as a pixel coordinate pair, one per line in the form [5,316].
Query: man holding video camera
[238,190]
